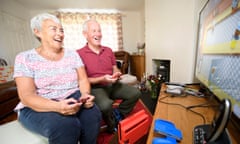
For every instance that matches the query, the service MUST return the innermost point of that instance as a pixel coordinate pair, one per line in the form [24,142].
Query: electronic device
[164,140]
[83,100]
[215,132]
[167,129]
[175,88]
[175,84]
[194,92]
[218,51]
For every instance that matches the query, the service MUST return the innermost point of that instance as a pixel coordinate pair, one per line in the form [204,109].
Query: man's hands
[71,106]
[116,75]
[113,78]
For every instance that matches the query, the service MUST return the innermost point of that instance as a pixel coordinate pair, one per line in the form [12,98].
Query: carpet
[106,138]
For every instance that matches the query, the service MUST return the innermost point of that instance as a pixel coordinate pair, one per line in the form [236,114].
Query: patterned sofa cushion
[6,74]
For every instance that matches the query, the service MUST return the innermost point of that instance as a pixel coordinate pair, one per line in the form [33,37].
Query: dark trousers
[82,127]
[105,96]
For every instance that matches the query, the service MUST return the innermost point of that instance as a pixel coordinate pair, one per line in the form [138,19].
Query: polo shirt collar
[89,50]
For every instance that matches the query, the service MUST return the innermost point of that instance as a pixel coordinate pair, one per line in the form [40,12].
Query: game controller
[164,140]
[116,75]
[83,100]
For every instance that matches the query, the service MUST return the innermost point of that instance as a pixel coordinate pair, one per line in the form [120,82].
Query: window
[111,24]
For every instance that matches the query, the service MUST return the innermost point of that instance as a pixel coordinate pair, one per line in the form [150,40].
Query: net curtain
[111,25]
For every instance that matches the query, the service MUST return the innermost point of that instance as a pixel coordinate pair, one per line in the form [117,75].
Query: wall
[133,29]
[14,28]
[170,36]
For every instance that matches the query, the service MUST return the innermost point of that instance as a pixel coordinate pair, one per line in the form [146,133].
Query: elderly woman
[53,88]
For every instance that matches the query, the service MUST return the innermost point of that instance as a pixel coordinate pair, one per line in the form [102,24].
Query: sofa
[13,132]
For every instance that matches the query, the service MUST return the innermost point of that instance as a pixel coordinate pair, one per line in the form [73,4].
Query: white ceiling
[122,5]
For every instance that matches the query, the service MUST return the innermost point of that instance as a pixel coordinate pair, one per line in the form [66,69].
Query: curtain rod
[110,11]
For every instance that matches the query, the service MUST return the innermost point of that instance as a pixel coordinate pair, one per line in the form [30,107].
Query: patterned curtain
[111,25]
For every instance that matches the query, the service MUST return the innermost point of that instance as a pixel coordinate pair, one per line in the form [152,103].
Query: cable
[172,103]
[200,105]
[204,120]
[163,97]
[206,104]
[203,106]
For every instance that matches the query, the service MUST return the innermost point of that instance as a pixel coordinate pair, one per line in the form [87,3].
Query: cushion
[14,133]
[129,79]
[6,74]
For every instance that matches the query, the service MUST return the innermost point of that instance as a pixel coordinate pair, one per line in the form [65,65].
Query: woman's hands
[71,106]
[87,100]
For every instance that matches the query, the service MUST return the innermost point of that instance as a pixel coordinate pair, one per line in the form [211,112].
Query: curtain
[111,25]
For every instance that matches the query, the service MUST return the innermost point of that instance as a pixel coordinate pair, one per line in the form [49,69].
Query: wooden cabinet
[137,65]
[8,98]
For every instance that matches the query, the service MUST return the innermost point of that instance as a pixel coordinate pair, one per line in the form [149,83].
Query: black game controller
[83,100]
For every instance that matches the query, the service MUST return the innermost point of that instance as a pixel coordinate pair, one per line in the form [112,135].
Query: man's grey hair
[36,21]
[85,24]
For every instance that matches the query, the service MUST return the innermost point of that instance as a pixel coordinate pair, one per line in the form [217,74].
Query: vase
[154,92]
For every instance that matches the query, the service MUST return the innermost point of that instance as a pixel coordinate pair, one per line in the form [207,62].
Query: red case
[133,127]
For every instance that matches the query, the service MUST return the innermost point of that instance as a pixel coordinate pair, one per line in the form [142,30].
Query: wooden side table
[137,65]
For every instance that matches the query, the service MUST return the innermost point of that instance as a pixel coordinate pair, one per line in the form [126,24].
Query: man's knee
[106,108]
[135,95]
[105,105]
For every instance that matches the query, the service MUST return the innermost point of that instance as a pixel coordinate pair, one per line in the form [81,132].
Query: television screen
[218,53]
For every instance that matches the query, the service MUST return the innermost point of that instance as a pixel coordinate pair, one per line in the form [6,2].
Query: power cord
[160,100]
[206,104]
[163,97]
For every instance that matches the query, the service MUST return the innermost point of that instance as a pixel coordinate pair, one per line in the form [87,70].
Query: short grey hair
[85,24]
[36,21]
